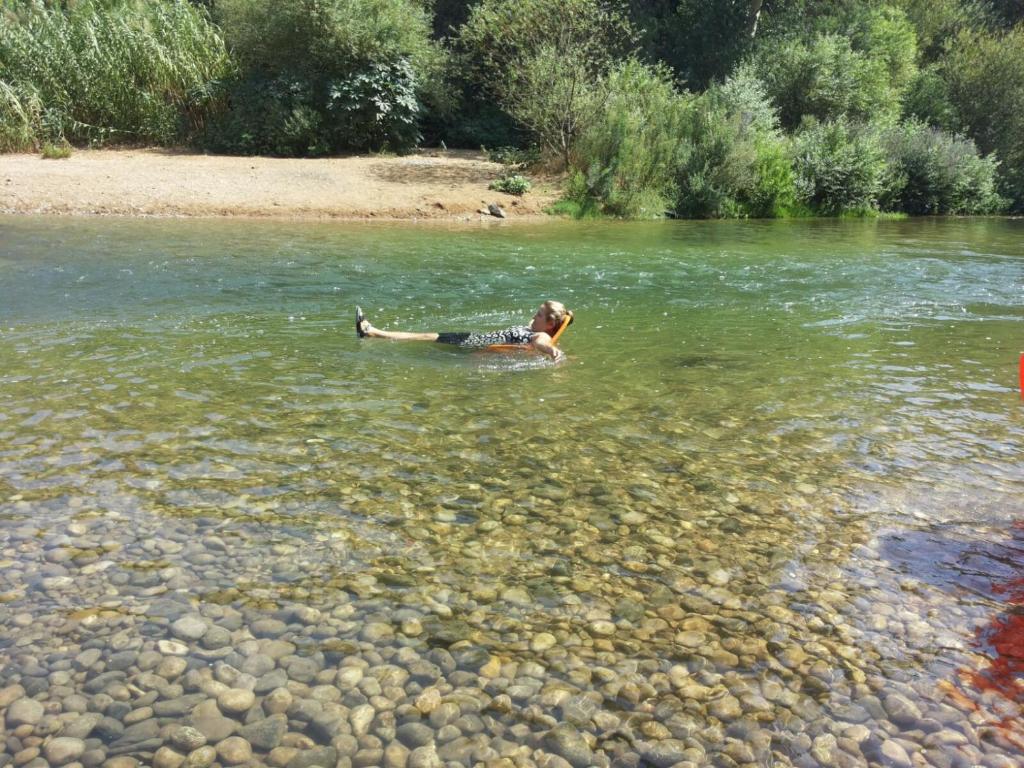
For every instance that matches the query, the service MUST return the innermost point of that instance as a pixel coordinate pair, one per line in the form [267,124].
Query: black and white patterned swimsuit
[519,334]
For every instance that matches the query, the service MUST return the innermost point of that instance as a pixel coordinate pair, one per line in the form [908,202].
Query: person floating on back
[540,335]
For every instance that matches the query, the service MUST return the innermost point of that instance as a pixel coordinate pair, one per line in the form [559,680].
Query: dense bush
[626,160]
[928,100]
[738,163]
[546,62]
[826,79]
[931,171]
[98,72]
[322,76]
[985,75]
[840,167]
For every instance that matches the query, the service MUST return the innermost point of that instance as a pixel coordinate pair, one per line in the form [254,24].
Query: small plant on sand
[56,150]
[511,185]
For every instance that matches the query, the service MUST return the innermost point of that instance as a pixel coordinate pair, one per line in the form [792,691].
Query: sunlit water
[769,511]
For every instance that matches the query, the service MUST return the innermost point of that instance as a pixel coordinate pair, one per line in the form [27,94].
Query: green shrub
[928,100]
[545,62]
[627,158]
[113,70]
[985,75]
[931,172]
[21,118]
[511,185]
[840,167]
[56,151]
[738,164]
[826,79]
[321,76]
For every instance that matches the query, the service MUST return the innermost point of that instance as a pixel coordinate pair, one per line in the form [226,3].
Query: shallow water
[769,512]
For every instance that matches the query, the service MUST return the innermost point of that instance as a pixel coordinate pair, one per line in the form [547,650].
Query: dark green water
[776,490]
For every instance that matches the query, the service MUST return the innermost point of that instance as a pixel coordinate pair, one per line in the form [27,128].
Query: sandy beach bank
[444,185]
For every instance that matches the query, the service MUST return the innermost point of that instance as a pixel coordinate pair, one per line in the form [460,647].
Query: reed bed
[114,71]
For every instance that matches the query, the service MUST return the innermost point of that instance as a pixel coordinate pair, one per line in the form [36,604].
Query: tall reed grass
[105,71]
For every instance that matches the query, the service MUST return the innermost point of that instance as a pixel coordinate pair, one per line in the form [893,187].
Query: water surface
[768,512]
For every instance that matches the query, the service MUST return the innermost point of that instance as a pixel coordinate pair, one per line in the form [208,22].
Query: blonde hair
[555,314]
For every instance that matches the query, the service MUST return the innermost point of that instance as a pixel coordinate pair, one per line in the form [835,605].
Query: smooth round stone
[121,761]
[542,641]
[395,755]
[189,628]
[24,712]
[414,734]
[725,708]
[411,628]
[902,710]
[235,701]
[187,739]
[601,628]
[280,757]
[172,667]
[63,750]
[216,637]
[208,720]
[691,639]
[376,631]
[895,755]
[663,754]
[166,757]
[234,750]
[424,757]
[268,628]
[277,701]
[172,648]
[566,742]
[203,757]
[265,734]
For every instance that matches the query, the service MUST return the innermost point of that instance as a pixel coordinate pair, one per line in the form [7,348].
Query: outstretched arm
[542,343]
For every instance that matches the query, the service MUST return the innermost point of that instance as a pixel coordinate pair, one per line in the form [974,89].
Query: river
[769,511]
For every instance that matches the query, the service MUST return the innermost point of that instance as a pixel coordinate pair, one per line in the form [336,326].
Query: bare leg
[400,335]
[376,333]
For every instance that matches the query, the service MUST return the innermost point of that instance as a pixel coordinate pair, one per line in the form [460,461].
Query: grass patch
[574,209]
[56,151]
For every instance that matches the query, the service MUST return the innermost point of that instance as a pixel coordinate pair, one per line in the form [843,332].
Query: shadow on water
[992,572]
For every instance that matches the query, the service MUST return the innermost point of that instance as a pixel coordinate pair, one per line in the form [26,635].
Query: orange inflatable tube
[566,322]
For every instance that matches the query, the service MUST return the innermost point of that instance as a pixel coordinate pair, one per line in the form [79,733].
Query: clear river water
[769,511]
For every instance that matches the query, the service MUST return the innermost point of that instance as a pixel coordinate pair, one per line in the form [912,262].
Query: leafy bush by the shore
[934,172]
[738,165]
[627,158]
[100,72]
[321,76]
[985,75]
[840,167]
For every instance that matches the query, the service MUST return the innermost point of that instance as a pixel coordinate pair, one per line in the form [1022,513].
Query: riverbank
[431,184]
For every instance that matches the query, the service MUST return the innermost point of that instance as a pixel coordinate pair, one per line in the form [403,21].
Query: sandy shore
[431,184]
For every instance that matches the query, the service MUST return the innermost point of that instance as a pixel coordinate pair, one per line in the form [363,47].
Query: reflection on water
[767,512]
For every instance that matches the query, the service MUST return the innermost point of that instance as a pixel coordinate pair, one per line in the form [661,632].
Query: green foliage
[21,118]
[931,172]
[56,151]
[826,79]
[627,158]
[511,185]
[738,164]
[885,34]
[985,75]
[546,62]
[928,100]
[840,167]
[321,76]
[128,70]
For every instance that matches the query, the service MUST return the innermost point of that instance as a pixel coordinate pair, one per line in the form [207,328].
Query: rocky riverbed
[232,534]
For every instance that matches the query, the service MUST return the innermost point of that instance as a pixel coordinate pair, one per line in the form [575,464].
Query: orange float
[566,322]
